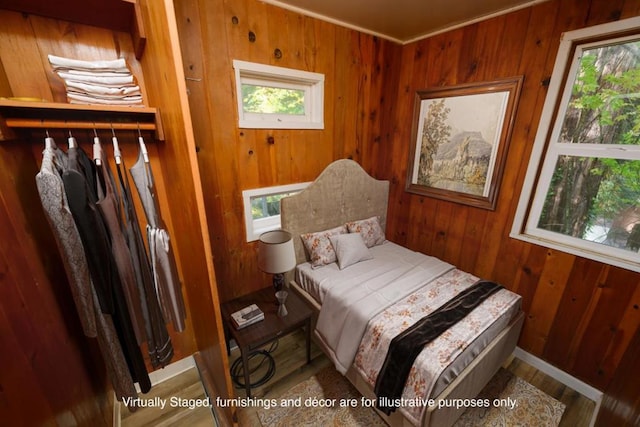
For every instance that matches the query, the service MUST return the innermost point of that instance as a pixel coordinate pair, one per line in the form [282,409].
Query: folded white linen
[102,90]
[76,98]
[92,73]
[59,62]
[348,306]
[121,80]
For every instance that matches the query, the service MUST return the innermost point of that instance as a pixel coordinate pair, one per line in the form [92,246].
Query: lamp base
[278,281]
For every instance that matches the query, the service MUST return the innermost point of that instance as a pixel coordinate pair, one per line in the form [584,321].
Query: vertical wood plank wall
[581,314]
[213,33]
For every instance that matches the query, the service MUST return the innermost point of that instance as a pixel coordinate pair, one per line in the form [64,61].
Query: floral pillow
[350,249]
[369,229]
[319,246]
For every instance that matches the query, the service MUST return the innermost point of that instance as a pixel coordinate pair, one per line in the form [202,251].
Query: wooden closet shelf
[49,115]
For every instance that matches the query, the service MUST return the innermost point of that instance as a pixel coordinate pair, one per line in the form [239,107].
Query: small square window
[262,208]
[272,97]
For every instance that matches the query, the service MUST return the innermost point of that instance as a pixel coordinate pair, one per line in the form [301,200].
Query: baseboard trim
[581,387]
[170,371]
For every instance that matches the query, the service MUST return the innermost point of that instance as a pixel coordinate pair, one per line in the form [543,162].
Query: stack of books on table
[247,316]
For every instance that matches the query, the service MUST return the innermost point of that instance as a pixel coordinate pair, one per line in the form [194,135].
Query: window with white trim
[271,97]
[262,208]
[582,189]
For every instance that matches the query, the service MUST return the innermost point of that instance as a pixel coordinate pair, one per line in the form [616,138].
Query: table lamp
[276,255]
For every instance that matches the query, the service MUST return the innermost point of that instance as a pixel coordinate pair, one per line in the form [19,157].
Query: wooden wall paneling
[621,403]
[396,149]
[125,48]
[628,9]
[217,144]
[603,328]
[421,216]
[5,87]
[69,40]
[162,64]
[534,66]
[473,244]
[345,90]
[441,223]
[581,289]
[455,234]
[622,332]
[365,46]
[380,76]
[446,68]
[546,300]
[193,36]
[243,158]
[20,384]
[43,336]
[599,9]
[468,62]
[21,57]
[512,42]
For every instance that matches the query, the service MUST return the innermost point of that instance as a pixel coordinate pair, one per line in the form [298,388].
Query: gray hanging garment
[163,265]
[158,341]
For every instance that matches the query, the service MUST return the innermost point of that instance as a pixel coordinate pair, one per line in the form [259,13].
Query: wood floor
[181,393]
[291,369]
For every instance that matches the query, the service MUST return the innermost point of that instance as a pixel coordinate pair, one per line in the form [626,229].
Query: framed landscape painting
[460,137]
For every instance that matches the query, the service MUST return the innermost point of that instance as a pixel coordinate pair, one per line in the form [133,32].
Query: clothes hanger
[143,147]
[72,141]
[116,148]
[49,142]
[97,149]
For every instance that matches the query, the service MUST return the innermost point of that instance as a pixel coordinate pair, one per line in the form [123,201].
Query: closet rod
[66,124]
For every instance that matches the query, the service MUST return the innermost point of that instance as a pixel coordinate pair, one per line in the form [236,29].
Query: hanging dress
[162,259]
[109,205]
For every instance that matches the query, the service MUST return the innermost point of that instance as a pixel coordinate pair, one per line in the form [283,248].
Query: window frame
[545,152]
[285,78]
[255,227]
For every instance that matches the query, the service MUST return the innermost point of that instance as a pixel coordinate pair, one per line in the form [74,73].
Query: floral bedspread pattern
[441,352]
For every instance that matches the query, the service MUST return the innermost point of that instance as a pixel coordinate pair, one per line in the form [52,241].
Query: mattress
[442,360]
[389,261]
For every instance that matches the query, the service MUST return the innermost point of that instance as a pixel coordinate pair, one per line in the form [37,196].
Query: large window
[582,191]
[262,208]
[278,98]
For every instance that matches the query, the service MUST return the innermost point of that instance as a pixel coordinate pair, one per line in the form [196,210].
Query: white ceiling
[402,21]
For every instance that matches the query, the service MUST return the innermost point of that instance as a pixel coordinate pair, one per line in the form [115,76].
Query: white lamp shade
[275,252]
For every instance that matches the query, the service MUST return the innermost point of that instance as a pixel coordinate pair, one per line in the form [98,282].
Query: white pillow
[350,249]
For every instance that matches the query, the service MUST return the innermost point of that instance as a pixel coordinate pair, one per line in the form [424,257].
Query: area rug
[317,402]
[514,402]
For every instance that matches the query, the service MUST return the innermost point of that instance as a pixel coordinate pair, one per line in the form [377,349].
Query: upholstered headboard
[342,192]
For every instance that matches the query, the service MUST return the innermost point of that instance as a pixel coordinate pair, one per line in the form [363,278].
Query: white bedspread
[371,287]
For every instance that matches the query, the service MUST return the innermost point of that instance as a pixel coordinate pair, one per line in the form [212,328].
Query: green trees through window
[594,192]
[272,100]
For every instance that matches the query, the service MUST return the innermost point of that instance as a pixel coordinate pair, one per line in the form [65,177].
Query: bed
[366,296]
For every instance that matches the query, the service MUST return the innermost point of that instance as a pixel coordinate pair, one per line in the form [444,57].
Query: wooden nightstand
[269,329]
